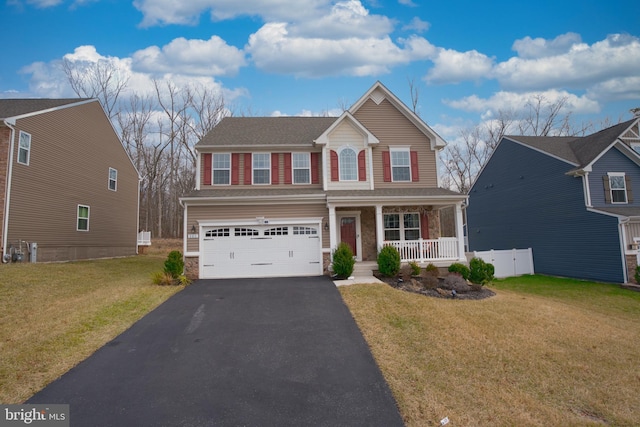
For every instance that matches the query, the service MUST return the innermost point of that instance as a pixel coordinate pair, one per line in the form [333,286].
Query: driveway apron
[249,352]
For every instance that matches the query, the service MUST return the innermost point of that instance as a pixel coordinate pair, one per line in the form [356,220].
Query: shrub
[163,279]
[461,269]
[343,261]
[455,282]
[174,265]
[415,268]
[405,272]
[430,282]
[389,261]
[637,275]
[432,270]
[481,272]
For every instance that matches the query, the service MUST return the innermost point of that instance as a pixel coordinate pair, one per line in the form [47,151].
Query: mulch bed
[408,286]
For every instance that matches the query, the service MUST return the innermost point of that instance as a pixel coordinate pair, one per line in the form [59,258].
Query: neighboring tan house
[570,199]
[68,189]
[276,195]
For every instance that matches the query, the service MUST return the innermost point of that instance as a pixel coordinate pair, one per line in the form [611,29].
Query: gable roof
[580,152]
[10,108]
[347,116]
[265,131]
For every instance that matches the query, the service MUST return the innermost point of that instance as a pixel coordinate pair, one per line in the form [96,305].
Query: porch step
[364,269]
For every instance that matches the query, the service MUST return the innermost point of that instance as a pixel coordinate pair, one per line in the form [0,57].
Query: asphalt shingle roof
[239,131]
[18,107]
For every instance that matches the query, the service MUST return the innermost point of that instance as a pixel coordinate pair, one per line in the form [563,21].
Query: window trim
[406,150]
[114,180]
[27,149]
[341,176]
[623,190]
[294,168]
[253,168]
[214,168]
[78,217]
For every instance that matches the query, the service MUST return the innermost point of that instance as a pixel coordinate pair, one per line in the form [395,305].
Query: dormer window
[348,161]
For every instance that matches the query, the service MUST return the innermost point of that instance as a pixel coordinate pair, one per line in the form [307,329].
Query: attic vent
[377,96]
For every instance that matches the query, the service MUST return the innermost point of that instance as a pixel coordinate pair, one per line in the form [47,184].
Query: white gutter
[7,198]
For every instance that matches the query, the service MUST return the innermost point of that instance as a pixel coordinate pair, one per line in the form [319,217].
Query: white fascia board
[257,200]
[254,222]
[395,200]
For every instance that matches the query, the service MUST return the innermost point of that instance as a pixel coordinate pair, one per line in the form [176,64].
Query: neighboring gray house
[276,195]
[571,199]
[66,182]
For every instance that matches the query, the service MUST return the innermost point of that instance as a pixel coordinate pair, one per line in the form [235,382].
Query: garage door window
[246,232]
[278,231]
[304,230]
[218,232]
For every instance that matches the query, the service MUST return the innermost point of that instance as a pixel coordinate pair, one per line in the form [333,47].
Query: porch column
[333,230]
[460,233]
[379,227]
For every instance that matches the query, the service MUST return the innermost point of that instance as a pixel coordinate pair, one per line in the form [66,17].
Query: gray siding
[524,199]
[613,161]
[72,150]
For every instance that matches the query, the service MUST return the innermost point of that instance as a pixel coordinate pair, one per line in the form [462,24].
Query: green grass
[543,351]
[53,316]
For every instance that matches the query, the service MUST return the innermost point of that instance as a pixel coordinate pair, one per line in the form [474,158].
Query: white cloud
[581,66]
[516,102]
[451,66]
[616,89]
[274,50]
[528,48]
[211,57]
[418,25]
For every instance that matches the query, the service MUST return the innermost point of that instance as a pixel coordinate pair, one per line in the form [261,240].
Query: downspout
[7,198]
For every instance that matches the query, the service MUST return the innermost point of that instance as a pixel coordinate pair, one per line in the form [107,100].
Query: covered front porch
[410,224]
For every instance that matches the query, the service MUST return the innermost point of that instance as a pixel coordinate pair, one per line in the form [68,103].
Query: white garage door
[261,251]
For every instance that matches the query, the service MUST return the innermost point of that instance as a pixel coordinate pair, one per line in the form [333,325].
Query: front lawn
[543,351]
[53,316]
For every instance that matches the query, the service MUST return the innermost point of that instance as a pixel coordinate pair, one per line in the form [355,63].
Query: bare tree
[101,79]
[415,94]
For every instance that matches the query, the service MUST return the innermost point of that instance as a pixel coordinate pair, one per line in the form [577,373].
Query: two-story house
[570,199]
[276,195]
[68,189]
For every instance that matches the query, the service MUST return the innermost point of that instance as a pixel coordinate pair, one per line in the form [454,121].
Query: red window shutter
[315,173]
[386,166]
[287,168]
[247,168]
[424,225]
[207,168]
[362,167]
[335,173]
[275,168]
[235,169]
[415,176]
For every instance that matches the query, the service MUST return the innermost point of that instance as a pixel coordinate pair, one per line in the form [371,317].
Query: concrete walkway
[250,352]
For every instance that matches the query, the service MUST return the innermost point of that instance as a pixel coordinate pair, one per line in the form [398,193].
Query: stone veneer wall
[191,268]
[632,262]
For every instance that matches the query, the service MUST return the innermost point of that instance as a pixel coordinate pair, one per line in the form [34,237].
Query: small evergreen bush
[481,272]
[415,268]
[460,268]
[343,261]
[389,261]
[174,265]
[637,275]
[432,270]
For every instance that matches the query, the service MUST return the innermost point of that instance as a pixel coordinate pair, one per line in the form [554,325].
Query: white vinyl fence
[510,262]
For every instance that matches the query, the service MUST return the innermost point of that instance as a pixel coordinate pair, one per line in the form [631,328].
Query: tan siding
[392,128]
[280,184]
[5,137]
[238,213]
[71,152]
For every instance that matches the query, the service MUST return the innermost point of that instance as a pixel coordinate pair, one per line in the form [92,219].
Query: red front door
[348,232]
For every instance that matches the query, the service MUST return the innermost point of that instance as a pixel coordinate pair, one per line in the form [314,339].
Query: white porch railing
[144,238]
[444,248]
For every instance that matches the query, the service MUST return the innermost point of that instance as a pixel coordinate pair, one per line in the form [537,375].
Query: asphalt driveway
[250,352]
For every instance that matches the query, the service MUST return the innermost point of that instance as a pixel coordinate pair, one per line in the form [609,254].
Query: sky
[467,60]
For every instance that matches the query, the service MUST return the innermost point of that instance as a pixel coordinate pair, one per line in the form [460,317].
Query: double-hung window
[348,161]
[24,148]
[400,165]
[113,179]
[83,218]
[301,167]
[261,168]
[221,169]
[617,187]
[402,226]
